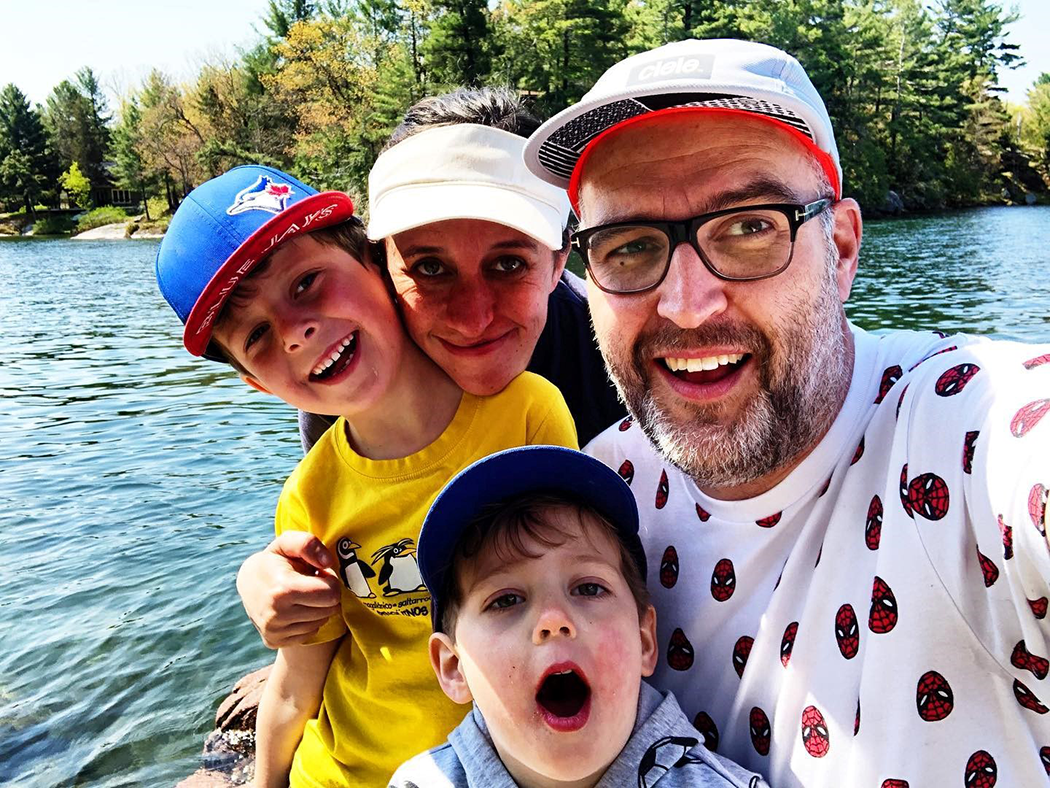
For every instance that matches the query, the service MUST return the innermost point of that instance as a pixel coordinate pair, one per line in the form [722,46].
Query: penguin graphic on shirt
[399,571]
[352,570]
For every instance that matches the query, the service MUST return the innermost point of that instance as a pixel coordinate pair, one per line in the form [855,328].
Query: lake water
[134,479]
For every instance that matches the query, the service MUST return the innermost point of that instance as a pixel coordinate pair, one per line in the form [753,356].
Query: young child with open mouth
[542,619]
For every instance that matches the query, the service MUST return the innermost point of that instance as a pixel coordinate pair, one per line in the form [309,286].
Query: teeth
[332,358]
[700,364]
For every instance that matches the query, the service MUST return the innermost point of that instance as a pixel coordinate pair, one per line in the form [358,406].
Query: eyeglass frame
[685,231]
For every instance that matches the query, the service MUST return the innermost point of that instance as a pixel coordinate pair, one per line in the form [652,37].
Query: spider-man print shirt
[879,618]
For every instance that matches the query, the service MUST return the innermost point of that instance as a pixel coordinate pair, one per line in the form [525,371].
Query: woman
[475,248]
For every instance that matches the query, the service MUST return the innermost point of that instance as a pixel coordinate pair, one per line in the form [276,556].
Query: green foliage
[77,186]
[53,224]
[458,49]
[26,166]
[99,217]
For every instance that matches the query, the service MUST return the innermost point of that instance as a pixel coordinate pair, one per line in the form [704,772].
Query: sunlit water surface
[134,479]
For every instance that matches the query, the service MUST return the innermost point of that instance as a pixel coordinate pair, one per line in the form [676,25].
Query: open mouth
[564,696]
[706,370]
[338,360]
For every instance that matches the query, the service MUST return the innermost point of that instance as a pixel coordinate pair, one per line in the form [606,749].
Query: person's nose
[690,294]
[296,328]
[554,621]
[470,309]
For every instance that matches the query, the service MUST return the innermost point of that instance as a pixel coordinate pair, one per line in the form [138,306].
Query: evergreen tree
[23,141]
[129,166]
[458,49]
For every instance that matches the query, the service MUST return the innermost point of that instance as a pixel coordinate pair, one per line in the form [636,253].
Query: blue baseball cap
[514,472]
[223,229]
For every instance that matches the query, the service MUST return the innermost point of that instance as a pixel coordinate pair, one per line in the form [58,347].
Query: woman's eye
[504,601]
[509,265]
[590,589]
[304,284]
[255,335]
[429,267]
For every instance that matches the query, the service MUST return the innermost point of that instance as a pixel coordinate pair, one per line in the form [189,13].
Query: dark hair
[348,236]
[498,108]
[503,527]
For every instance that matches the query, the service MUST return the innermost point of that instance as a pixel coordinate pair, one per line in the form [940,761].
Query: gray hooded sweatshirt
[664,749]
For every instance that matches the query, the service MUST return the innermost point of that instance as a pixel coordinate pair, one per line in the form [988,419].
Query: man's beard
[803,370]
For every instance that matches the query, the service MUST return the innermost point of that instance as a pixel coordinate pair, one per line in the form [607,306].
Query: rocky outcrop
[228,757]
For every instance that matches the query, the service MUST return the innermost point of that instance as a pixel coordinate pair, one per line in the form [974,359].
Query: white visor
[463,171]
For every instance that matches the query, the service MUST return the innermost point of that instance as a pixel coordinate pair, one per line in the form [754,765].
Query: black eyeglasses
[737,244]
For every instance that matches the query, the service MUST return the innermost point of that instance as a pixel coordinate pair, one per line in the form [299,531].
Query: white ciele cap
[723,74]
[462,171]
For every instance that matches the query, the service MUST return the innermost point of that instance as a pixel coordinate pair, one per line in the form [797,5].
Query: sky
[45,42]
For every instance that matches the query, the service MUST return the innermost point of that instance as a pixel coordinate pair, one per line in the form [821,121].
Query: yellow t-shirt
[382,703]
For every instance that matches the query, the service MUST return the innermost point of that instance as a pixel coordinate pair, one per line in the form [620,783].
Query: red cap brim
[312,213]
[823,157]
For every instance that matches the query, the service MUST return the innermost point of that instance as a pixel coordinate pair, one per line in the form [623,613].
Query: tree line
[911,87]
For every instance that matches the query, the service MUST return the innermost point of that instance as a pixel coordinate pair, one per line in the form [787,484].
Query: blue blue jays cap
[511,473]
[223,229]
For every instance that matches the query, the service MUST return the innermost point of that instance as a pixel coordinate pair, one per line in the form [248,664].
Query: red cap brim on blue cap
[223,229]
[511,473]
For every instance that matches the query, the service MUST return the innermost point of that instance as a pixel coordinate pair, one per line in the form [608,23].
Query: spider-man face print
[934,697]
[1023,659]
[787,643]
[1039,607]
[954,380]
[723,580]
[1038,361]
[1044,757]
[873,524]
[815,732]
[968,448]
[662,491]
[627,471]
[856,719]
[1007,534]
[669,567]
[703,723]
[626,424]
[679,651]
[1026,418]
[883,614]
[892,783]
[1028,699]
[924,360]
[741,651]
[1037,501]
[847,633]
[858,453]
[769,522]
[904,490]
[758,724]
[981,771]
[928,496]
[702,513]
[890,376]
[988,569]
[900,400]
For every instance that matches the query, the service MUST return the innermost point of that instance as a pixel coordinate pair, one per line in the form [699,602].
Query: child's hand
[289,589]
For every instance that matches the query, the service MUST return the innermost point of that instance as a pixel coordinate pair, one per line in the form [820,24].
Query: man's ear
[560,257]
[255,384]
[847,234]
[445,661]
[650,651]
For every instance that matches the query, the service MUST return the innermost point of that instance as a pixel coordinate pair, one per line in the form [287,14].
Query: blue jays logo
[263,195]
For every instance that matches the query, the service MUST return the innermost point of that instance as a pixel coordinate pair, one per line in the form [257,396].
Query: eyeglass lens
[740,245]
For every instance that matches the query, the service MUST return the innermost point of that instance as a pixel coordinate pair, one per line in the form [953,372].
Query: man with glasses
[849,528]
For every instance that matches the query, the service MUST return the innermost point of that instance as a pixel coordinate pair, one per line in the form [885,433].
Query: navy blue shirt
[566,355]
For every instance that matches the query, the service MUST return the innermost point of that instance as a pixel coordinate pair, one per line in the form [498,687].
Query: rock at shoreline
[228,757]
[113,232]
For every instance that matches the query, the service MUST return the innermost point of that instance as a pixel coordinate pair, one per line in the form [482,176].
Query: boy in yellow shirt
[274,278]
